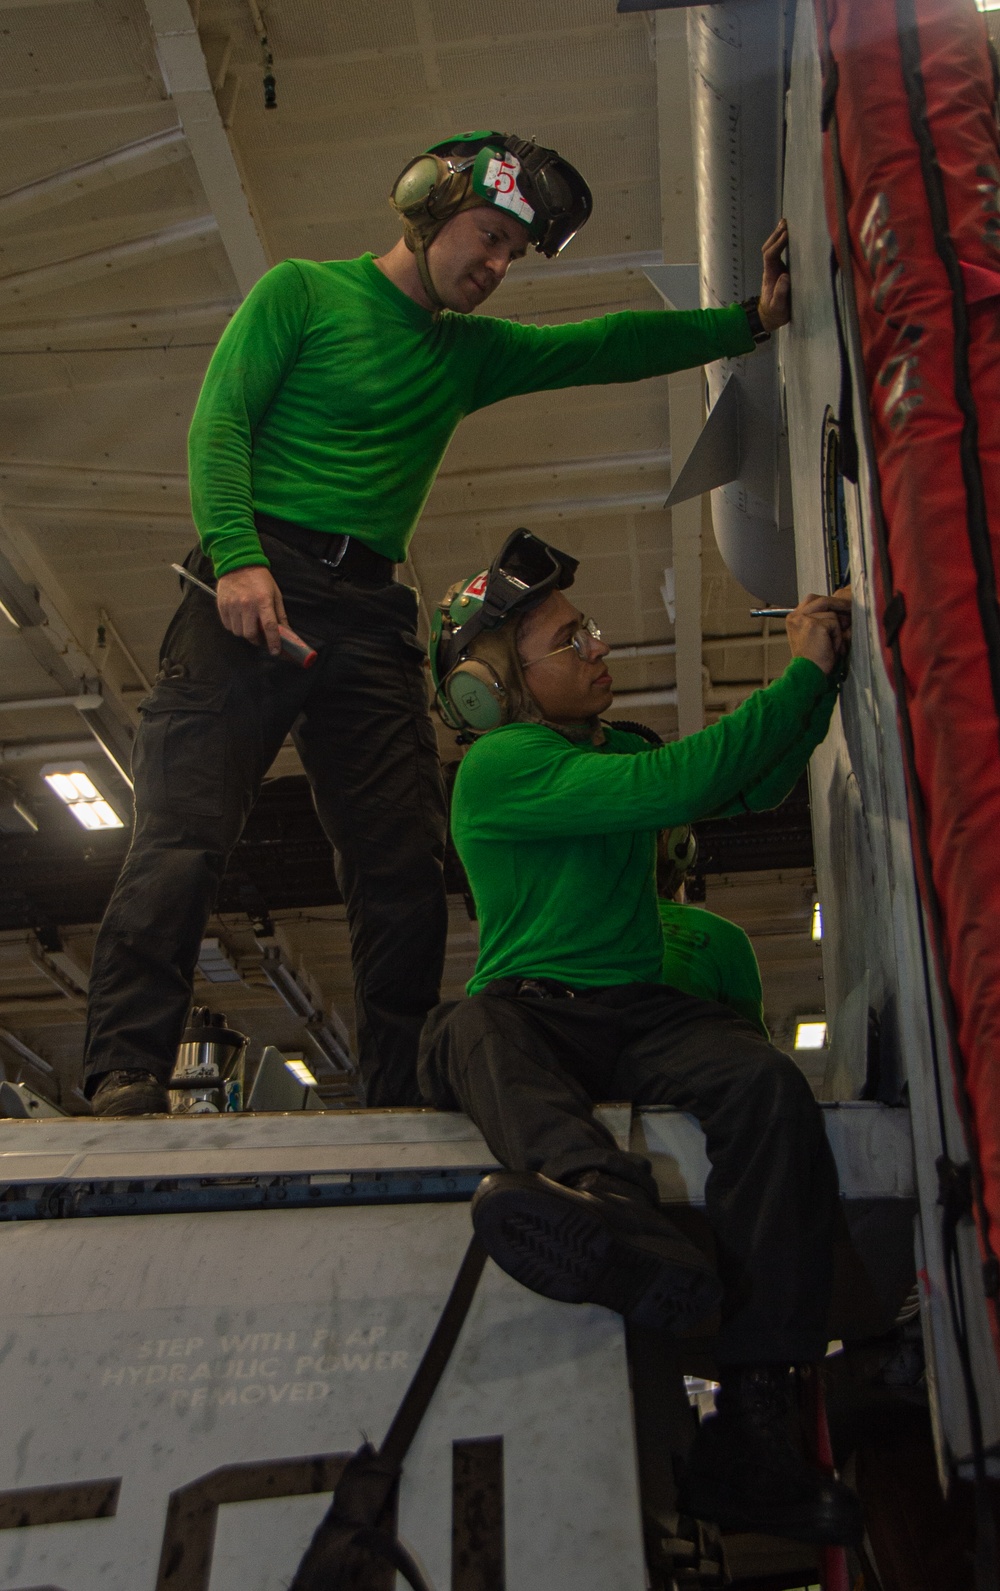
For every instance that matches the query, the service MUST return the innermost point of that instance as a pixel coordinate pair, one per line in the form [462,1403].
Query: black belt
[345,555]
[544,989]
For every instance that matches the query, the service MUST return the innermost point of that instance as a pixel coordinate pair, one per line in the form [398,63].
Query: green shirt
[712,958]
[332,396]
[558,838]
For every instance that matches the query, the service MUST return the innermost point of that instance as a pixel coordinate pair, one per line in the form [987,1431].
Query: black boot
[600,1242]
[131,1093]
[744,1473]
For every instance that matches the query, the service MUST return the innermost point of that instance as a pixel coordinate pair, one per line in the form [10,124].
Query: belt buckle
[538,989]
[533,988]
[335,563]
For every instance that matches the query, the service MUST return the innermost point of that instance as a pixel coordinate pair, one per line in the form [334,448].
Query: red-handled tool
[292,645]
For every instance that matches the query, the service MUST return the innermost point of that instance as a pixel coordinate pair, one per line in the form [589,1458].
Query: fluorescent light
[810,1033]
[301,1073]
[988,5]
[75,786]
[817,922]
[8,615]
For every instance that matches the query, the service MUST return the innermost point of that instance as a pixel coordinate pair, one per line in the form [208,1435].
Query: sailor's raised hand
[820,628]
[775,302]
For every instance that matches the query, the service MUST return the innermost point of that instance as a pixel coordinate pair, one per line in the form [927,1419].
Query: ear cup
[475,695]
[414,183]
[682,848]
[429,185]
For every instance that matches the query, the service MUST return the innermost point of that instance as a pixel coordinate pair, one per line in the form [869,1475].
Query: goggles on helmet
[521,575]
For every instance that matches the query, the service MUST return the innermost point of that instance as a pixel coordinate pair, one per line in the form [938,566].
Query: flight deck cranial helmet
[470,695]
[533,184]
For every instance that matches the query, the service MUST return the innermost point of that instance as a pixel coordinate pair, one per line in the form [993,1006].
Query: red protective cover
[907,313]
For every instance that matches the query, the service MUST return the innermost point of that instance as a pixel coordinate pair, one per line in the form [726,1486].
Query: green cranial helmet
[525,570]
[533,184]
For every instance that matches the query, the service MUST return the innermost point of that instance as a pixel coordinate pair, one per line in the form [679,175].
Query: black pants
[219,712]
[529,1070]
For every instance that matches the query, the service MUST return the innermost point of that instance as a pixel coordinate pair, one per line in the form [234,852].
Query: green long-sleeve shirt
[558,838]
[332,396]
[709,956]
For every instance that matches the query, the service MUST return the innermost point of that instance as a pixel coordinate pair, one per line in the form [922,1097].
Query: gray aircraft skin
[203,1316]
[770,445]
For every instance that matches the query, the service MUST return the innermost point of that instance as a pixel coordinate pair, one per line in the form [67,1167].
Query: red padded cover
[906,308]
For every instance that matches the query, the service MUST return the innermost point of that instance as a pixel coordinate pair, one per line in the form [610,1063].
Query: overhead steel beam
[178,239]
[24,1053]
[186,76]
[86,703]
[326,1030]
[51,641]
[19,603]
[679,241]
[131,160]
[45,750]
[49,956]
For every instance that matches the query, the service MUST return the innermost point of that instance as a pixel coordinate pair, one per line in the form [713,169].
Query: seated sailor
[555,818]
[703,953]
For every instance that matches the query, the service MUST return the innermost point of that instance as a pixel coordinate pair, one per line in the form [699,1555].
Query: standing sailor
[324,415]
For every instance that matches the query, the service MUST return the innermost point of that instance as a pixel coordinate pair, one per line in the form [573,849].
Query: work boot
[607,1246]
[744,1473]
[131,1093]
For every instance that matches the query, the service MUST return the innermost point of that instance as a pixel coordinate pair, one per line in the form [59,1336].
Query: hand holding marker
[294,648]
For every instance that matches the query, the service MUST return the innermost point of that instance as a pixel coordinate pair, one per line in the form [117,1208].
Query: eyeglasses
[582,643]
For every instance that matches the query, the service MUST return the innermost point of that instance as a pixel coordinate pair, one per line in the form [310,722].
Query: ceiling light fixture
[810,1033]
[301,1073]
[88,805]
[817,923]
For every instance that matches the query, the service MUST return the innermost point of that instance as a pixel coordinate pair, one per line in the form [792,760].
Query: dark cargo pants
[215,720]
[529,1070]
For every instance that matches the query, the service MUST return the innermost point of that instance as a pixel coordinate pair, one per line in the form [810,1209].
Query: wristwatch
[751,308]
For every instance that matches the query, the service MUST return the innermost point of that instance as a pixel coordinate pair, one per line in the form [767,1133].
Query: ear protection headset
[473,697]
[680,848]
[676,854]
[430,186]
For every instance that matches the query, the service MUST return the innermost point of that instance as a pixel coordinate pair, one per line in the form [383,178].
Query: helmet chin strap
[419,233]
[416,244]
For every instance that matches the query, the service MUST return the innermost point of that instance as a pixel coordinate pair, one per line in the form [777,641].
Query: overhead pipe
[32,336]
[177,239]
[87,703]
[711,643]
[147,154]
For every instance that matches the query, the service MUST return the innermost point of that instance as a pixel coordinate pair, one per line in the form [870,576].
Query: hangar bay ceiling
[147,185]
